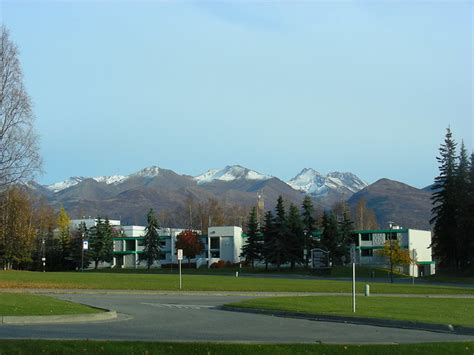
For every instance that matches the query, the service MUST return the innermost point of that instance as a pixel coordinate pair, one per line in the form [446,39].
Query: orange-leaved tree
[189,241]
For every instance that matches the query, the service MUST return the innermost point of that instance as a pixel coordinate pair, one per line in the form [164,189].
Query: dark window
[215,243]
[162,243]
[366,237]
[130,245]
[366,252]
[215,254]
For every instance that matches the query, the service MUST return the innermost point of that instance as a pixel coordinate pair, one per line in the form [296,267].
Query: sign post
[353,261]
[180,258]
[85,246]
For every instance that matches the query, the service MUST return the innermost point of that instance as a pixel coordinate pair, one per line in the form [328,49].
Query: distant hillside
[394,201]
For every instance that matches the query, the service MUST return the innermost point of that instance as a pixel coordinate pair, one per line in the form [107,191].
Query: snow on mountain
[314,183]
[58,186]
[151,171]
[114,179]
[230,173]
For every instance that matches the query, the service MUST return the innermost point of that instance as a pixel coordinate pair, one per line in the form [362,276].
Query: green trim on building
[425,262]
[403,230]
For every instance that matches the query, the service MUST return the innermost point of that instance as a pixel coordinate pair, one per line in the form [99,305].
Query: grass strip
[121,347]
[428,310]
[21,304]
[140,281]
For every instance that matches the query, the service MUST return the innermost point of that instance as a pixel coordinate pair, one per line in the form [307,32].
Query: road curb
[441,328]
[69,318]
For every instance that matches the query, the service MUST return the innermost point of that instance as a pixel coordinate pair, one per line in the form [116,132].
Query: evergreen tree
[64,240]
[330,237]
[101,242]
[151,241]
[295,241]
[469,215]
[268,238]
[444,205]
[462,199]
[280,245]
[309,227]
[79,257]
[346,226]
[252,248]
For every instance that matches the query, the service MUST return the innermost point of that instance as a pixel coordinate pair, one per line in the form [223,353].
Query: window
[367,252]
[215,254]
[162,243]
[366,237]
[215,243]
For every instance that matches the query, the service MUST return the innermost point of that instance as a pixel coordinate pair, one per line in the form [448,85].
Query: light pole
[82,252]
[43,258]
[305,250]
[390,225]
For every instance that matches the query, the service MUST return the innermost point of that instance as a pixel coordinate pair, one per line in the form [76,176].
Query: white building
[418,243]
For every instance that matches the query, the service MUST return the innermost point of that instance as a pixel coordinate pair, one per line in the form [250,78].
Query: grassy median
[140,281]
[22,304]
[429,310]
[112,347]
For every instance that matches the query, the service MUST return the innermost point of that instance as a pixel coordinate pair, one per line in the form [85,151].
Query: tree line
[453,206]
[287,235]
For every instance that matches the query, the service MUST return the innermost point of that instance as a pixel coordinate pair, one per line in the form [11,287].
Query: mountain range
[129,197]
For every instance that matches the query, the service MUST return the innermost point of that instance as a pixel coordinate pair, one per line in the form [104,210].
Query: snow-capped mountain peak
[114,179]
[58,186]
[230,173]
[312,182]
[151,171]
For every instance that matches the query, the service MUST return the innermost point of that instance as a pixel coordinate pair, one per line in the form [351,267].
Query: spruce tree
[280,247]
[330,237]
[252,248]
[101,242]
[268,239]
[309,227]
[346,226]
[151,241]
[463,219]
[470,214]
[295,241]
[444,205]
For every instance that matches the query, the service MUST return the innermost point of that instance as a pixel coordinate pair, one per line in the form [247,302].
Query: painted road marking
[179,306]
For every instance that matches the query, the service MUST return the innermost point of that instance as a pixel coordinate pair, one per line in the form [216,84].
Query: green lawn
[112,347]
[22,304]
[430,310]
[140,281]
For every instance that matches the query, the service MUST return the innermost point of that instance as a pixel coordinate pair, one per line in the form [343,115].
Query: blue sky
[366,87]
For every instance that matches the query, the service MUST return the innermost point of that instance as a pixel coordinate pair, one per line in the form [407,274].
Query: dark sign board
[320,259]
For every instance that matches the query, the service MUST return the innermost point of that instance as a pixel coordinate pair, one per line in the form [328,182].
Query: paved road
[196,318]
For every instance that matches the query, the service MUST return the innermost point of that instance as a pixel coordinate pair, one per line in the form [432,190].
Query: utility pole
[390,224]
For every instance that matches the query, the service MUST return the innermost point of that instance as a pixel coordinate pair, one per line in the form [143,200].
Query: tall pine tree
[462,198]
[101,242]
[444,205]
[151,241]
[295,241]
[330,237]
[346,226]
[268,238]
[309,227]
[252,248]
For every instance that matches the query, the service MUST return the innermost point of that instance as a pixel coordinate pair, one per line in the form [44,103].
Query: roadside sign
[85,245]
[320,258]
[180,254]
[353,253]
